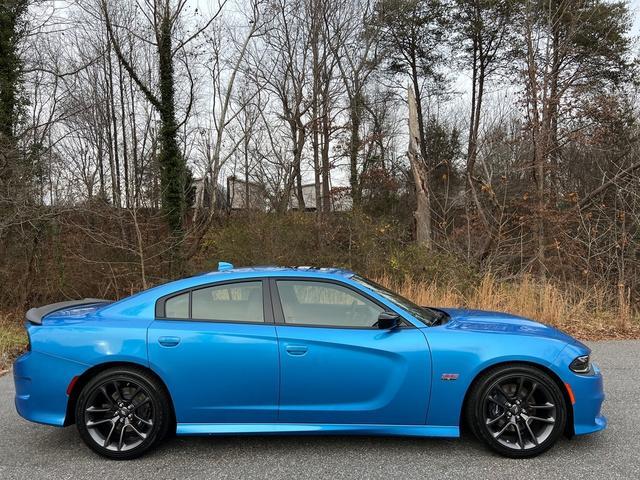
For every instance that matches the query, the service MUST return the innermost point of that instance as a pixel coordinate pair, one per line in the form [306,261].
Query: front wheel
[122,413]
[518,411]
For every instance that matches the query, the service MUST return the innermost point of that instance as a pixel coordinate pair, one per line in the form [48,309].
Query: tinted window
[321,303]
[424,314]
[177,307]
[236,302]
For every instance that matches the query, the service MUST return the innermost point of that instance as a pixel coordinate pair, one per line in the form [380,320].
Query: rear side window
[235,302]
[178,306]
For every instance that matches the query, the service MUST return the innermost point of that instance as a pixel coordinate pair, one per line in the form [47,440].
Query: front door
[217,355]
[337,367]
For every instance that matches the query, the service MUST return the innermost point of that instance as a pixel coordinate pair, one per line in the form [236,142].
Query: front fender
[458,357]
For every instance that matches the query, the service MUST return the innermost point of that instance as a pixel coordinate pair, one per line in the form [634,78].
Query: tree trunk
[298,134]
[478,78]
[134,148]
[125,153]
[354,146]
[171,161]
[538,137]
[315,109]
[422,213]
[10,66]
[115,175]
[326,166]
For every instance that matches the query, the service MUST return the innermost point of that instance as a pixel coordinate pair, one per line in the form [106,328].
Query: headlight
[581,364]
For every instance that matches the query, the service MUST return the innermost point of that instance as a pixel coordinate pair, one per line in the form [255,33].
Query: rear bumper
[41,387]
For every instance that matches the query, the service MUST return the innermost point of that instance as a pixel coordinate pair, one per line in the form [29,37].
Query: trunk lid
[70,308]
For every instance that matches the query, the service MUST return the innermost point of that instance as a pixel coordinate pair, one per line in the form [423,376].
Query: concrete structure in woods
[202,197]
[340,199]
[245,195]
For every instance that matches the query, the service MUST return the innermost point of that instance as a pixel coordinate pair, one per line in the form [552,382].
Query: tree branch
[623,173]
[127,66]
[183,43]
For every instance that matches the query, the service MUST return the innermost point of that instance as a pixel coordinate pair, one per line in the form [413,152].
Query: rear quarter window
[178,306]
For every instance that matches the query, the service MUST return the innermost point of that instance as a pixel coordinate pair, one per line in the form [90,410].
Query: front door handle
[169,341]
[296,350]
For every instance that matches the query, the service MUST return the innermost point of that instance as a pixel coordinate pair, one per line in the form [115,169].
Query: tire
[518,411]
[122,412]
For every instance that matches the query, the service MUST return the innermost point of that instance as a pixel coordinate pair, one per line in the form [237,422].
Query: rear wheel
[122,413]
[518,411]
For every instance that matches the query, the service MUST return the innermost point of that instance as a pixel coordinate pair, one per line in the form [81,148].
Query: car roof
[122,307]
[269,270]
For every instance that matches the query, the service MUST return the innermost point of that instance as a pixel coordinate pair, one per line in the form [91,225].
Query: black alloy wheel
[121,413]
[518,411]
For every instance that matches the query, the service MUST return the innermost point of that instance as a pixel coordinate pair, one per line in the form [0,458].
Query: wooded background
[524,167]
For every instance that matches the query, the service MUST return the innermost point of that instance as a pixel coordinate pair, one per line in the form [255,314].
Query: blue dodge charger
[299,351]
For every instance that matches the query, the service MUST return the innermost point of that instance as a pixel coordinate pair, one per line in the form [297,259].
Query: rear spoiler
[35,315]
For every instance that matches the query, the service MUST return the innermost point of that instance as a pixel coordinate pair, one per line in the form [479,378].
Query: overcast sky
[339,176]
[635,11]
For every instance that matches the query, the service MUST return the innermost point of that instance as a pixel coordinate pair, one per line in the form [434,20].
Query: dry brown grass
[591,313]
[13,339]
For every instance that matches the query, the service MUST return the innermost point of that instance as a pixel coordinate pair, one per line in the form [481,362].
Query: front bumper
[589,395]
[41,383]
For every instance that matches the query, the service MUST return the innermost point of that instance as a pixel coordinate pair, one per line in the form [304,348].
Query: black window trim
[267,308]
[278,312]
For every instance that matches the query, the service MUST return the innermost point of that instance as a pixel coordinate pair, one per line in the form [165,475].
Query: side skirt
[315,429]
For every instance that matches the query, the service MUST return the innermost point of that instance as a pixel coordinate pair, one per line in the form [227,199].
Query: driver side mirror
[388,320]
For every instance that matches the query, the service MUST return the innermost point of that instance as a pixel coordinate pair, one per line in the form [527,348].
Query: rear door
[217,351]
[337,367]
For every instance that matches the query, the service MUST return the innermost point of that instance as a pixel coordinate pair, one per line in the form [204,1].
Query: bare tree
[164,18]
[567,49]
[284,73]
[412,33]
[356,50]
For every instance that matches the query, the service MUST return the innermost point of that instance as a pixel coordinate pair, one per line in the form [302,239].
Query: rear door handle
[296,350]
[169,341]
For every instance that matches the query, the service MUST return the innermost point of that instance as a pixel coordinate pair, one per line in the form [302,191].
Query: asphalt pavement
[30,451]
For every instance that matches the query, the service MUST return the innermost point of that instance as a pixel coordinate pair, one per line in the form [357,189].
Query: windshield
[424,314]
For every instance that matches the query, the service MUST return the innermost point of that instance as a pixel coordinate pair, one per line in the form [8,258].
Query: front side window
[325,304]
[424,314]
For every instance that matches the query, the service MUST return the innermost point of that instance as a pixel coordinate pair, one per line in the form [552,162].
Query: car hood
[501,323]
